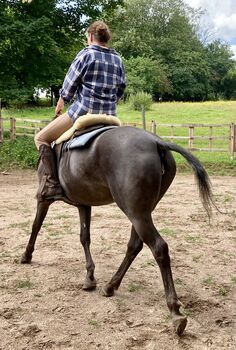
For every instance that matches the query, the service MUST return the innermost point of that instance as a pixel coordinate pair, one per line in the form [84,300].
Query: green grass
[166,112]
[42,113]
[183,112]
[23,284]
[166,232]
[134,287]
[219,112]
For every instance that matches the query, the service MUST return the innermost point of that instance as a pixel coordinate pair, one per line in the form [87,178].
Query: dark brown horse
[133,168]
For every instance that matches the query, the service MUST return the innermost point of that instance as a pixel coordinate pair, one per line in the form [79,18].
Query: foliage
[189,74]
[221,67]
[143,26]
[140,100]
[166,32]
[19,153]
[163,52]
[229,83]
[39,39]
[148,75]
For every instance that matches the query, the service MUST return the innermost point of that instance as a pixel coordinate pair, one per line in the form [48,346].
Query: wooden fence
[226,133]
[20,127]
[227,139]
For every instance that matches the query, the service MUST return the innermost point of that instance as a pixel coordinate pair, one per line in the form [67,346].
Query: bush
[20,153]
[141,100]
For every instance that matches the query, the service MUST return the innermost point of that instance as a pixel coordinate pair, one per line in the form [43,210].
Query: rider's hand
[59,107]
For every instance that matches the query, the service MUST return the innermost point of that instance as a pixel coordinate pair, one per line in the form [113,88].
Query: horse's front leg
[85,219]
[42,209]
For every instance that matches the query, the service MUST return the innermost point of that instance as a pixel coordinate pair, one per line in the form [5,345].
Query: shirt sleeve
[122,85]
[73,77]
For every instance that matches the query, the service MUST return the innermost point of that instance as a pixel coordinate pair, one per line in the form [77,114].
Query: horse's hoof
[26,259]
[89,285]
[107,291]
[179,323]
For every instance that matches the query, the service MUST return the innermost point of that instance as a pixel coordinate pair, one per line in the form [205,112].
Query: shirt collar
[99,48]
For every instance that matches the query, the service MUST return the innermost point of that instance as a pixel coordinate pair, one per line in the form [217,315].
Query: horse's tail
[203,180]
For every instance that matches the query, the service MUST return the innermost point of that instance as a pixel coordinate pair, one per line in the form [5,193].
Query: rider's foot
[49,189]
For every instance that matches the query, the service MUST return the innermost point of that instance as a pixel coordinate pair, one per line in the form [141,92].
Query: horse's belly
[87,197]
[84,191]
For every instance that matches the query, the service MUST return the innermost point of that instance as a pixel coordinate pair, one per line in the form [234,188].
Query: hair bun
[100,31]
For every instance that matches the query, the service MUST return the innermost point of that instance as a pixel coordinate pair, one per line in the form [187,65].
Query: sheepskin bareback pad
[86,121]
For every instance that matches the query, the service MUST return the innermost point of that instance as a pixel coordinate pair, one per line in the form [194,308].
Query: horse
[133,168]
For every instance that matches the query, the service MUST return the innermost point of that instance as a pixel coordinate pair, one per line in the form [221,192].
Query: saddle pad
[85,139]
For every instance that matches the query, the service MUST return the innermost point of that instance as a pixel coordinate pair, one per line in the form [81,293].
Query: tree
[152,28]
[148,75]
[220,62]
[163,31]
[39,39]
[229,83]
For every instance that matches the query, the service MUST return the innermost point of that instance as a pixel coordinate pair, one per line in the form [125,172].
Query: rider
[97,78]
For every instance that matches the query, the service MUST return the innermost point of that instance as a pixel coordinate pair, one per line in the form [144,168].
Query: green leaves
[39,39]
[167,32]
[148,75]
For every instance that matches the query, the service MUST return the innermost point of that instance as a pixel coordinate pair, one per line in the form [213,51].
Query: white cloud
[226,25]
[220,16]
[214,7]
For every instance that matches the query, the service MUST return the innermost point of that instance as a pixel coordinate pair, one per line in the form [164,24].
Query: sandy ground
[42,305]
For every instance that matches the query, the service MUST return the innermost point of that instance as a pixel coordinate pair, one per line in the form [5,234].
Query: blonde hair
[100,31]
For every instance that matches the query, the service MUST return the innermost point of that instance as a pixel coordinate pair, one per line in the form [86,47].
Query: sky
[221,18]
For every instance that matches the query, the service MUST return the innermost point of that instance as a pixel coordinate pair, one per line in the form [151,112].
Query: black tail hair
[203,180]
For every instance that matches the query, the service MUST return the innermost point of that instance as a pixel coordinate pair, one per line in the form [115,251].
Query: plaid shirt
[97,78]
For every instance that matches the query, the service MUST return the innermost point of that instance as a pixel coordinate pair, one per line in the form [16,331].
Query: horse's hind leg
[85,219]
[42,209]
[135,245]
[148,233]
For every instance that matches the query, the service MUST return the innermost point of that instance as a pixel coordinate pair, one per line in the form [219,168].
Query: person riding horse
[97,77]
[135,173]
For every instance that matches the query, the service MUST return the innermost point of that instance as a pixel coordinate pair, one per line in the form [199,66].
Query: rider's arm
[122,85]
[59,107]
[73,76]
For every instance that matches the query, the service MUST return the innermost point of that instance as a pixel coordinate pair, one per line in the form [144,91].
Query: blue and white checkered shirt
[97,78]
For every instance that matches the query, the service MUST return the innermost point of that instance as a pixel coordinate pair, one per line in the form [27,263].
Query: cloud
[220,16]
[226,25]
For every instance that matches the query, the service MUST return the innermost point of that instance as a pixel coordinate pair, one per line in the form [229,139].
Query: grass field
[166,112]
[220,112]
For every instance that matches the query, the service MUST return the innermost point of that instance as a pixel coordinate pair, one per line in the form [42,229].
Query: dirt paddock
[42,305]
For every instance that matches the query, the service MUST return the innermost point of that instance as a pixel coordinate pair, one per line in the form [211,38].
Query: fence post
[1,123]
[191,137]
[12,128]
[232,140]
[143,118]
[153,127]
[210,137]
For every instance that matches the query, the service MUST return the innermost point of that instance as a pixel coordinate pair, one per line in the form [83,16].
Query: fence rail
[29,127]
[228,139]
[20,127]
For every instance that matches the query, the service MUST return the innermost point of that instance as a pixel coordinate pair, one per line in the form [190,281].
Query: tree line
[161,41]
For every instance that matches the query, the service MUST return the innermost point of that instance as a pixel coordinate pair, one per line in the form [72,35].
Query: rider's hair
[100,31]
